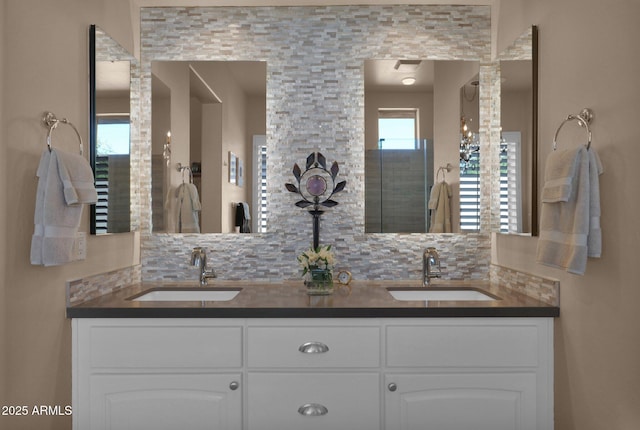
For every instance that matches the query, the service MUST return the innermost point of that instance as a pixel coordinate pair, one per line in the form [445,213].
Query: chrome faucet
[199,258]
[430,266]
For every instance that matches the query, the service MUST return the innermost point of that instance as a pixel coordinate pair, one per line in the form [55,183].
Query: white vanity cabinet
[313,373]
[139,374]
[481,374]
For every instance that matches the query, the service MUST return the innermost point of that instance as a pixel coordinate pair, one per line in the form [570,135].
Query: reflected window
[112,174]
[397,129]
[260,185]
[470,194]
[511,215]
[113,135]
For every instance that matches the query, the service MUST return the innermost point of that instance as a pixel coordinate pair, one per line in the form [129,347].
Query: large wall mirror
[315,59]
[208,146]
[519,137]
[412,108]
[110,67]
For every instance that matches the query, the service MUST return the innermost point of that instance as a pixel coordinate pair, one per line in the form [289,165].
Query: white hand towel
[569,230]
[559,175]
[595,234]
[77,178]
[56,222]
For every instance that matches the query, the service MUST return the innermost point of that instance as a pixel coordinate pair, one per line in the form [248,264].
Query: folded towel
[440,204]
[570,230]
[559,174]
[77,178]
[56,221]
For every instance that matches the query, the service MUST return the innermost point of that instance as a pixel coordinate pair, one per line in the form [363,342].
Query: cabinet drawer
[462,345]
[344,401]
[142,346]
[327,346]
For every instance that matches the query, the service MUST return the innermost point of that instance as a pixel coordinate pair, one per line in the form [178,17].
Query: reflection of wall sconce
[166,149]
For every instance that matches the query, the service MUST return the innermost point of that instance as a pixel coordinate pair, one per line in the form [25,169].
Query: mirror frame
[534,230]
[93,125]
[534,133]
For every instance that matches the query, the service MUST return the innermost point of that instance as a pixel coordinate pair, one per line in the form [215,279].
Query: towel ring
[180,168]
[584,118]
[49,119]
[442,169]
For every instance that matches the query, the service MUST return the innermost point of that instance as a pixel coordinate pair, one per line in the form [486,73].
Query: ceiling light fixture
[408,81]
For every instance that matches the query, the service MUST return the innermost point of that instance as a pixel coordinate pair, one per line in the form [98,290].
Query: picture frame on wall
[233,162]
[240,176]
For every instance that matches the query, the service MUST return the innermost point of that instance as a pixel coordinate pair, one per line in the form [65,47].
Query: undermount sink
[186,295]
[441,294]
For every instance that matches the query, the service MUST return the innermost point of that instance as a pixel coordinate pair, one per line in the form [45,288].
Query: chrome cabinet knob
[313,348]
[392,387]
[312,410]
[234,385]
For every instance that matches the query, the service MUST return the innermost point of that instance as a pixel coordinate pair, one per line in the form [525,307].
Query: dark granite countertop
[288,299]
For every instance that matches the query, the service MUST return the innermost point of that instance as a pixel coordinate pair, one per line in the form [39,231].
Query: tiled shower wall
[315,102]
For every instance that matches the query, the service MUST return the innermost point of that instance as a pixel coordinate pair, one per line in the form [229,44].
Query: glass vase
[319,282]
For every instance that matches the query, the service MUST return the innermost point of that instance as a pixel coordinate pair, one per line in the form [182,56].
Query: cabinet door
[313,401]
[462,401]
[165,402]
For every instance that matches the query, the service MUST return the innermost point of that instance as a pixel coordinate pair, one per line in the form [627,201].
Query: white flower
[322,258]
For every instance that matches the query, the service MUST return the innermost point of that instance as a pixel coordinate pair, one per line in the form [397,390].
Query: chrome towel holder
[51,121]
[442,169]
[584,118]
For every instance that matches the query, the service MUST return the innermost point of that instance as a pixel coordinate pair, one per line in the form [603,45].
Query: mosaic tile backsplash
[315,102]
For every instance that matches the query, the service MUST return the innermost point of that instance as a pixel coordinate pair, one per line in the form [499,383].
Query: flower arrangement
[319,258]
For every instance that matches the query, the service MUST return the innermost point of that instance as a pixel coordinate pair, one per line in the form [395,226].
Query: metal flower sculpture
[316,185]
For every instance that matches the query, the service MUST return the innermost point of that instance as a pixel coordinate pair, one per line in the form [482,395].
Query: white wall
[588,59]
[450,76]
[44,67]
[234,138]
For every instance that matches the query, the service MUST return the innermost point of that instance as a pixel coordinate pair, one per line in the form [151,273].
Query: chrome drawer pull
[234,385]
[392,387]
[313,348]
[312,410]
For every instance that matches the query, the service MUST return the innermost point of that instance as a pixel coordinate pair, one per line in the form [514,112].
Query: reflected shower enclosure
[397,188]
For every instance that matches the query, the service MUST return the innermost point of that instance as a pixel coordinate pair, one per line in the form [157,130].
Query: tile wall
[315,102]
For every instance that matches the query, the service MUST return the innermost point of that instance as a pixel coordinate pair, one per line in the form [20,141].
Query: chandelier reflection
[469,143]
[468,146]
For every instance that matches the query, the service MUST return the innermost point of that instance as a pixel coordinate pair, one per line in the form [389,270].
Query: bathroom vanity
[358,359]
